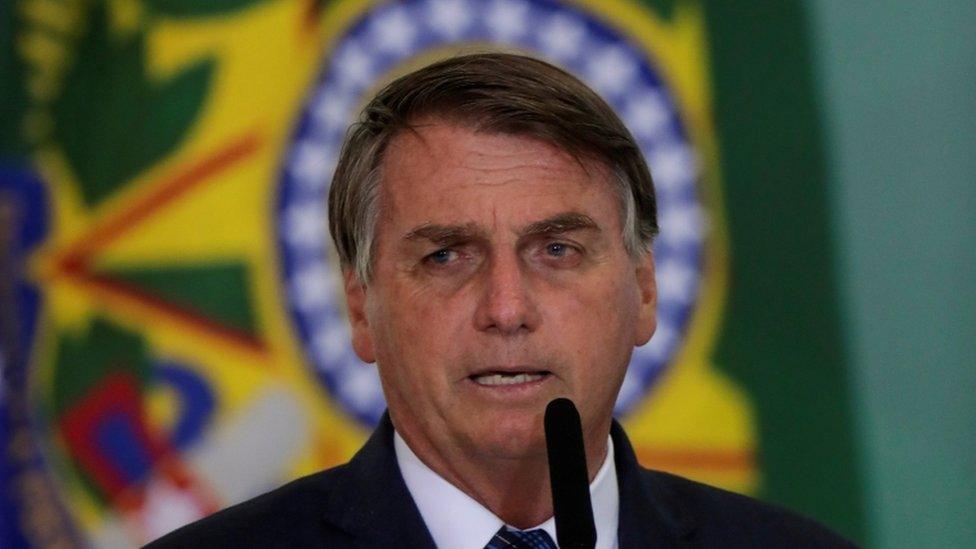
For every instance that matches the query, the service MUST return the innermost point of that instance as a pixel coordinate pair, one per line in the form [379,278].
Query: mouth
[505,378]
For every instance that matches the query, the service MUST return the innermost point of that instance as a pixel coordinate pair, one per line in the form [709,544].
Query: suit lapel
[649,515]
[370,500]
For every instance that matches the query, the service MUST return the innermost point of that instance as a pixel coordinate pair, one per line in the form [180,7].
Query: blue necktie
[521,539]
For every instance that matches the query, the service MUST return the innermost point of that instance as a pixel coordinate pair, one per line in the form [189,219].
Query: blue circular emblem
[392,34]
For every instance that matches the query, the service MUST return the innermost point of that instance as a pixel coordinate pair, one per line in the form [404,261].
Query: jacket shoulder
[288,516]
[719,518]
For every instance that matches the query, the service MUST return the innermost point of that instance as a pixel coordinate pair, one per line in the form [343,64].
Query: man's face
[500,281]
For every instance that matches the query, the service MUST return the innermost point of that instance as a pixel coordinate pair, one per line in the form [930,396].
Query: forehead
[443,168]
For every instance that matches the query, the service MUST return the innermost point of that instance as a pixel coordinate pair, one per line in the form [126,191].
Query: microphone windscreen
[568,477]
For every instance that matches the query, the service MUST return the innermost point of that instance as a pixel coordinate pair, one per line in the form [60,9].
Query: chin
[513,436]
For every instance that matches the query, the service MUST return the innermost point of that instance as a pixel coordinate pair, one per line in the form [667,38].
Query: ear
[647,311]
[362,340]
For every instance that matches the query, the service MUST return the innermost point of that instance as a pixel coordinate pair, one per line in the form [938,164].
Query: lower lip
[512,388]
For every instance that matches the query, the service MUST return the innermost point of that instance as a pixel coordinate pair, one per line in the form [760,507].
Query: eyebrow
[446,234]
[560,223]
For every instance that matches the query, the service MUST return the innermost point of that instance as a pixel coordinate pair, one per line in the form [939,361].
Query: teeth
[506,379]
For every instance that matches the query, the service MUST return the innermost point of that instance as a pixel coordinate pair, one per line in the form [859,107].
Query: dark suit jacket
[365,503]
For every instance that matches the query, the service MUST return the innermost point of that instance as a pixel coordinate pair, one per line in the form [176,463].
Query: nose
[507,304]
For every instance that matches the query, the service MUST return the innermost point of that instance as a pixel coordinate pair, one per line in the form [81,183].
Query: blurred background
[172,335]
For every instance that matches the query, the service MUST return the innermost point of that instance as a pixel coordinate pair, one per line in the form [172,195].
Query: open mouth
[496,379]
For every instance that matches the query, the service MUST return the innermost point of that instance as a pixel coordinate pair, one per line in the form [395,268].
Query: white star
[393,31]
[507,19]
[449,17]
[333,112]
[672,166]
[561,37]
[646,113]
[361,385]
[676,281]
[611,69]
[304,225]
[354,67]
[330,344]
[313,287]
[312,164]
[682,224]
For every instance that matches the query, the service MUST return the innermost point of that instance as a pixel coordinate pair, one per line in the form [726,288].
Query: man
[493,218]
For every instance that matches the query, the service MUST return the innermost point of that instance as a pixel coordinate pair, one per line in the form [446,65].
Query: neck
[516,491]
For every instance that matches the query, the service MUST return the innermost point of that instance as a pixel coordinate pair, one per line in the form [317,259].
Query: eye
[443,256]
[560,254]
[557,249]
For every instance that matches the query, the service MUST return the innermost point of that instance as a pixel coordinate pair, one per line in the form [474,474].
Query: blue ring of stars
[388,35]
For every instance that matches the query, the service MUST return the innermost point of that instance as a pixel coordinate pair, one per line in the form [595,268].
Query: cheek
[596,329]
[596,307]
[606,339]
[414,334]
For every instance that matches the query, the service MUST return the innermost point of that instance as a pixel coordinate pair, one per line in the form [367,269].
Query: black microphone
[570,483]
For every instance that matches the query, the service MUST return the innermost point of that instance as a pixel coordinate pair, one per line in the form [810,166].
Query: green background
[865,114]
[782,338]
[898,82]
[848,141]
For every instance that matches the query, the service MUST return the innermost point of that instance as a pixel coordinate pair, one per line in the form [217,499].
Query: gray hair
[494,93]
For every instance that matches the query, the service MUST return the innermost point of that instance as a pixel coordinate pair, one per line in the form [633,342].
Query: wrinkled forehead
[445,157]
[450,176]
[459,143]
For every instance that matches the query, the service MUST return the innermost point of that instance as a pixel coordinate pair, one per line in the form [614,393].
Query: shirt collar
[454,519]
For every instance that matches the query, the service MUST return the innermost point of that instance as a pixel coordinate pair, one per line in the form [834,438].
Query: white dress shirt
[456,521]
